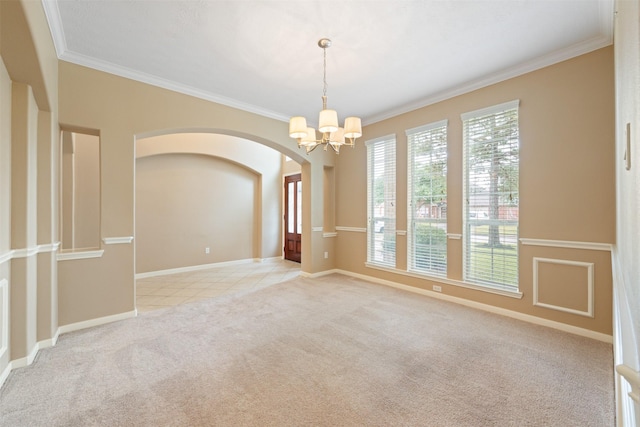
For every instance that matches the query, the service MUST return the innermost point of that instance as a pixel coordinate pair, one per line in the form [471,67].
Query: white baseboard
[195,268]
[96,322]
[473,304]
[5,374]
[28,360]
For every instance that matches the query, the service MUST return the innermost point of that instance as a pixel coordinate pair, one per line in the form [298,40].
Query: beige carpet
[333,351]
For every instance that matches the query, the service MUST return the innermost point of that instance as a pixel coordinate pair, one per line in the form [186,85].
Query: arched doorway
[205,201]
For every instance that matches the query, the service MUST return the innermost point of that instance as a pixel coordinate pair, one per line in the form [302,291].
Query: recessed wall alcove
[205,198]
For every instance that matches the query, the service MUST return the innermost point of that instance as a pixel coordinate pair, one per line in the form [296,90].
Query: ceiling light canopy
[332,135]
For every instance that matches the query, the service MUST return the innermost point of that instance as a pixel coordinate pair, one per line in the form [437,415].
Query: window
[381,201]
[491,169]
[427,185]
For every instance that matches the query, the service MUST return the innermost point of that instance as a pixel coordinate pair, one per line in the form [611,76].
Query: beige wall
[266,224]
[86,177]
[566,182]
[627,255]
[188,202]
[123,111]
[80,191]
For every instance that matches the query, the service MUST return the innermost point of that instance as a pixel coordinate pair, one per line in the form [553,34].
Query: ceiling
[387,57]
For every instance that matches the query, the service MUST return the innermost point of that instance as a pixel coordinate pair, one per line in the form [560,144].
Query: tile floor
[165,291]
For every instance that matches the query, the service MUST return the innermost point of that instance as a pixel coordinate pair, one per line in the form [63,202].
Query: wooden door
[293,217]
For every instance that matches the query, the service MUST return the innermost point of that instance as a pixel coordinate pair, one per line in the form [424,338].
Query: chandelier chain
[324,79]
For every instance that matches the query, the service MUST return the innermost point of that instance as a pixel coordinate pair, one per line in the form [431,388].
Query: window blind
[381,201]
[491,195]
[427,210]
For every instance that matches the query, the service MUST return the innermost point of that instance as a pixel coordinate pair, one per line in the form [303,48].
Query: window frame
[471,271]
[434,263]
[385,256]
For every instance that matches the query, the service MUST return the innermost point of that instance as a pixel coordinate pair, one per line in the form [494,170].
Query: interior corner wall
[262,161]
[567,184]
[188,202]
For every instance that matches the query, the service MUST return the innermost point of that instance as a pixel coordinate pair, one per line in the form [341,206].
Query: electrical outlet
[437,288]
[326,255]
[207,250]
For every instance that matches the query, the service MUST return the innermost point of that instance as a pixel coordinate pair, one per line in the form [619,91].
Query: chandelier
[332,135]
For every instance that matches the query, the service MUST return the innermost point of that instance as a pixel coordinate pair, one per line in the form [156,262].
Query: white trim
[484,307]
[34,352]
[5,374]
[391,136]
[7,256]
[622,350]
[352,229]
[587,46]
[67,256]
[430,126]
[270,259]
[499,108]
[401,232]
[453,236]
[567,244]
[25,253]
[604,39]
[589,267]
[330,234]
[117,240]
[633,378]
[4,312]
[128,73]
[195,268]
[49,247]
[317,229]
[447,281]
[52,13]
[96,322]
[28,359]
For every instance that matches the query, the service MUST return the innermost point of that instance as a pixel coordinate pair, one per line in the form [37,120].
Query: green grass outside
[483,230]
[505,264]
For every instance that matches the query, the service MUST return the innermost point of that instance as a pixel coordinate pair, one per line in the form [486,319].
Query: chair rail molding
[117,240]
[594,246]
[633,378]
[352,229]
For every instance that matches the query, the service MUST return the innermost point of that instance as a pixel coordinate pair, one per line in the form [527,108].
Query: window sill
[447,281]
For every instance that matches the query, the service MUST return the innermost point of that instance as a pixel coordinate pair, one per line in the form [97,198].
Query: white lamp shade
[352,127]
[298,127]
[328,121]
[309,138]
[337,137]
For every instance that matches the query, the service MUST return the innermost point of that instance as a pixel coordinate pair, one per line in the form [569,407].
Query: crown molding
[606,9]
[150,79]
[52,13]
[509,73]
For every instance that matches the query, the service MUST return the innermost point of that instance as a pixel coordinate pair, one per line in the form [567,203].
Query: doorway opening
[293,217]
